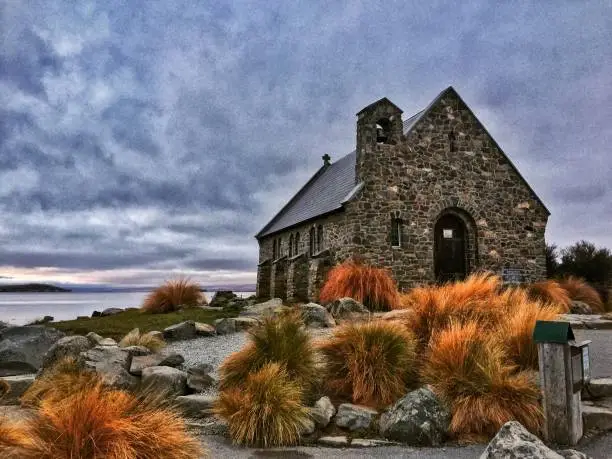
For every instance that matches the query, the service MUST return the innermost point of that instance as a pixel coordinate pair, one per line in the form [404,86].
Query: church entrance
[450,243]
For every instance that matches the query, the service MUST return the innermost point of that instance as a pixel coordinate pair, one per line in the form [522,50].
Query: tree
[552,260]
[585,260]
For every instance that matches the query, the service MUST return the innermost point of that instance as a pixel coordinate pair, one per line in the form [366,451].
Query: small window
[320,238]
[447,233]
[291,245]
[382,130]
[296,249]
[312,241]
[274,250]
[396,232]
[451,142]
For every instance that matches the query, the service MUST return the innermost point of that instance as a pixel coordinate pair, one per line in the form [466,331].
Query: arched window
[297,243]
[396,232]
[452,147]
[274,250]
[291,245]
[313,240]
[382,130]
[319,238]
[280,247]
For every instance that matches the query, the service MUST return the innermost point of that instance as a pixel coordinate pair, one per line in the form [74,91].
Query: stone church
[432,198]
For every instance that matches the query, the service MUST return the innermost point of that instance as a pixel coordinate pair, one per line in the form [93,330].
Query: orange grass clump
[373,287]
[100,423]
[550,291]
[370,363]
[470,372]
[172,295]
[267,411]
[135,338]
[579,290]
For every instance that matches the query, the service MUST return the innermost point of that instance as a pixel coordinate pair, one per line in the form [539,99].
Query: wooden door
[450,249]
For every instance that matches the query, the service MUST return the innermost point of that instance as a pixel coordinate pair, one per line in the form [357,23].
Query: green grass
[119,325]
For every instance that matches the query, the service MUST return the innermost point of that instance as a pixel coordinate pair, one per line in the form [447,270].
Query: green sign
[552,332]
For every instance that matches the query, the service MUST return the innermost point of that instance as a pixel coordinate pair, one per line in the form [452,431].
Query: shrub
[4,388]
[468,370]
[579,290]
[267,411]
[550,291]
[13,438]
[96,422]
[135,338]
[282,340]
[370,363]
[58,382]
[172,295]
[588,262]
[373,287]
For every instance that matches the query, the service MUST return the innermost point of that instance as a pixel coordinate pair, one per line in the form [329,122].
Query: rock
[199,378]
[516,442]
[162,358]
[572,454]
[245,323]
[579,307]
[167,380]
[334,442]
[270,307]
[18,385]
[322,412]
[112,364]
[22,348]
[225,326]
[308,428]
[107,342]
[315,315]
[180,331]
[347,309]
[221,298]
[111,312]
[369,443]
[598,387]
[96,314]
[596,417]
[417,419]
[205,329]
[155,334]
[398,315]
[138,351]
[68,346]
[196,405]
[94,338]
[355,417]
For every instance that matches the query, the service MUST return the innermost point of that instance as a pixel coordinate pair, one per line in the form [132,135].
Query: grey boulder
[181,331]
[94,338]
[199,378]
[17,386]
[347,309]
[112,365]
[111,312]
[68,346]
[355,417]
[196,405]
[22,348]
[205,329]
[270,307]
[316,316]
[513,441]
[322,412]
[164,380]
[418,419]
[225,326]
[163,358]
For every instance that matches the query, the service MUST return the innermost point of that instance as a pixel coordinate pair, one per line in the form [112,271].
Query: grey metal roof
[334,185]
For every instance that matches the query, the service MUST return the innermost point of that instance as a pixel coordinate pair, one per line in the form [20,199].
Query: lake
[21,308]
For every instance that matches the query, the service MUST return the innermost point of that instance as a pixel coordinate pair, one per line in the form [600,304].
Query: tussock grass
[59,382]
[172,295]
[135,338]
[370,363]
[579,290]
[470,371]
[550,291]
[13,438]
[4,388]
[373,287]
[267,411]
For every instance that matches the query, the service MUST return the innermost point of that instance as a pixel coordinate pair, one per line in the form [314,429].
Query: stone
[181,331]
[572,454]
[308,428]
[516,442]
[199,378]
[316,316]
[107,342]
[18,385]
[596,417]
[164,380]
[138,351]
[162,358]
[68,346]
[111,312]
[96,314]
[225,326]
[370,442]
[245,323]
[155,334]
[579,307]
[347,309]
[269,307]
[94,338]
[22,348]
[334,442]
[322,412]
[598,388]
[112,363]
[418,418]
[196,405]
[221,298]
[354,417]
[203,329]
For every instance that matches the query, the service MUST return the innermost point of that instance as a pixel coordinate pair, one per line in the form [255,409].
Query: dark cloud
[163,136]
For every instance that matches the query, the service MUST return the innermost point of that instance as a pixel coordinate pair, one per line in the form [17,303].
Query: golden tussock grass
[135,338]
[579,290]
[267,411]
[370,363]
[469,370]
[283,340]
[172,295]
[4,388]
[550,291]
[373,287]
[96,422]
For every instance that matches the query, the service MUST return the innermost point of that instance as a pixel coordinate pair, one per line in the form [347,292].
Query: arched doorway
[450,248]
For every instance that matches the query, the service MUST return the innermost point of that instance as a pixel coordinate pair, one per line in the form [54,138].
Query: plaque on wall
[512,275]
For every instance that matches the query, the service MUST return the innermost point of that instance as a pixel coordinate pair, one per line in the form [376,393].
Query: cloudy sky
[143,139]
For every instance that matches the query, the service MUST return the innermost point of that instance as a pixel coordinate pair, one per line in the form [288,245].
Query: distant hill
[12,288]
